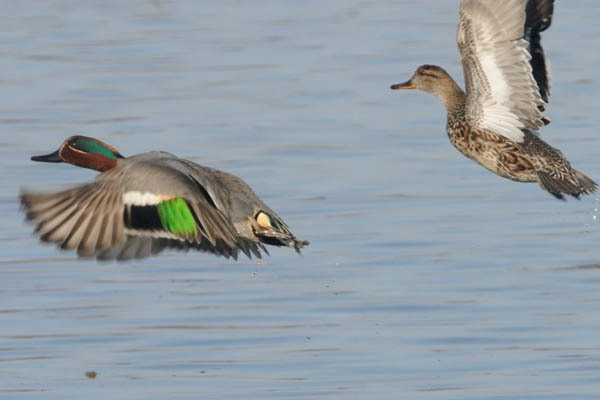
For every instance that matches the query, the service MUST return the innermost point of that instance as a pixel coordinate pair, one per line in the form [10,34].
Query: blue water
[427,276]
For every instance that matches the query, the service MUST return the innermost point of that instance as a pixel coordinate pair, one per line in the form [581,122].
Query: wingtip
[299,244]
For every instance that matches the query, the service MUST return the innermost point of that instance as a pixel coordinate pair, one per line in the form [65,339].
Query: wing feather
[502,95]
[91,219]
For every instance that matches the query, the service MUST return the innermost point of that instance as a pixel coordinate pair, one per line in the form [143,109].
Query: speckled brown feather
[531,161]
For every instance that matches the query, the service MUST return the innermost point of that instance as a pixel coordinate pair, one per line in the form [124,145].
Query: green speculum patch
[176,217]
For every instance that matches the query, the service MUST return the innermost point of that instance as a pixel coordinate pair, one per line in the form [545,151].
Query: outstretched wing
[502,95]
[106,220]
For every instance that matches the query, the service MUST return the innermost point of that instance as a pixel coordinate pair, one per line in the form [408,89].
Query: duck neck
[452,96]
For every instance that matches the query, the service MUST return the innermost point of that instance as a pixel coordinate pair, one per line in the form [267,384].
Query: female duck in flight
[507,85]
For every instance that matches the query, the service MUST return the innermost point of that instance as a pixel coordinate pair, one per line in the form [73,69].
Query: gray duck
[145,203]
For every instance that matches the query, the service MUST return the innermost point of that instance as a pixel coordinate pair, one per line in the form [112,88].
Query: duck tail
[574,184]
[588,186]
[270,229]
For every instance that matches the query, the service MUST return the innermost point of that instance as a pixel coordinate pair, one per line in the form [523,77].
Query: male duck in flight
[145,203]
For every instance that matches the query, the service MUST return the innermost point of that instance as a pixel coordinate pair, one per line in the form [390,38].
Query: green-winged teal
[143,204]
[505,93]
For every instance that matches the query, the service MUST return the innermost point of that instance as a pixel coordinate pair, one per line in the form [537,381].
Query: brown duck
[507,85]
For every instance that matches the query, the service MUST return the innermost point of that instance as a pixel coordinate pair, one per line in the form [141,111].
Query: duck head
[434,80]
[85,152]
[428,78]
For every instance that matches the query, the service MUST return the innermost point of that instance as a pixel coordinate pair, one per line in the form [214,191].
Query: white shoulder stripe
[136,198]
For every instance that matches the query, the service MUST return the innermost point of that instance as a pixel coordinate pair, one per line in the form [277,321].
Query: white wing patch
[136,198]
[498,84]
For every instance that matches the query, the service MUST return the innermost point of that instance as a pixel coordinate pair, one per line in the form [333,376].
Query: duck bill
[52,157]
[404,85]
